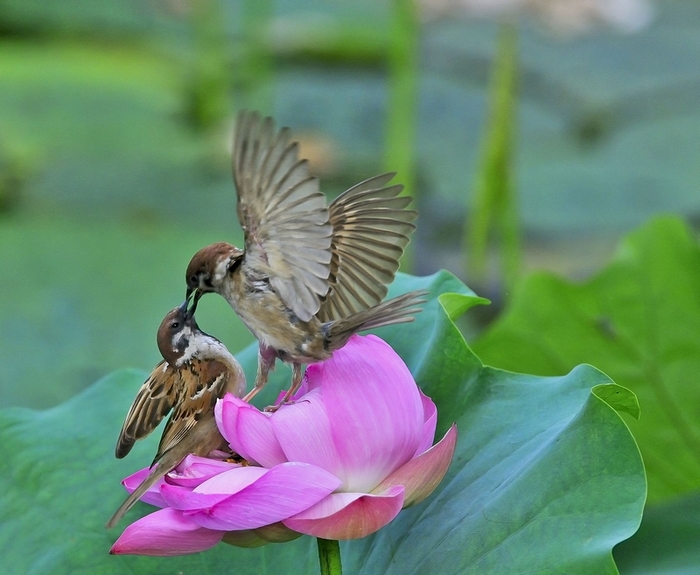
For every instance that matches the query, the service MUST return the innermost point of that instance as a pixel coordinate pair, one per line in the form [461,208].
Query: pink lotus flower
[339,463]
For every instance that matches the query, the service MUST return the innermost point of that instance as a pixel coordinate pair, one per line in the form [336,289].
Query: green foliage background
[638,320]
[114,118]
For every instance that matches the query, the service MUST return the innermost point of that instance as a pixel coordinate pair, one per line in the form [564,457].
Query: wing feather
[283,214]
[153,401]
[371,228]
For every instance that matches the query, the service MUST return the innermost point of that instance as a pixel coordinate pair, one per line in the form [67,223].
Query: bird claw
[275,407]
[283,402]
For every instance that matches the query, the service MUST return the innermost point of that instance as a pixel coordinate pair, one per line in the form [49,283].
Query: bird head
[177,333]
[209,267]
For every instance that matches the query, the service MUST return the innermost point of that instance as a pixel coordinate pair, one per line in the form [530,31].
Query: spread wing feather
[371,228]
[283,214]
[153,401]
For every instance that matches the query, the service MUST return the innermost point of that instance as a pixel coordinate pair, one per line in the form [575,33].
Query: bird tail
[156,473]
[399,309]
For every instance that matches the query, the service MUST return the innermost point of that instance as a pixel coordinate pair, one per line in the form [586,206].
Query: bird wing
[283,214]
[201,384]
[153,401]
[371,228]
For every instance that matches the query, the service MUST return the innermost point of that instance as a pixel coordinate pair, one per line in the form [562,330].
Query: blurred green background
[115,120]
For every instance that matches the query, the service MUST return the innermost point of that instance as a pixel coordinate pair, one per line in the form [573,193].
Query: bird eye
[175,324]
[194,280]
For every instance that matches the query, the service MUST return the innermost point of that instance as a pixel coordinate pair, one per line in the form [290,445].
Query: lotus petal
[152,495]
[349,515]
[279,493]
[374,407]
[421,475]
[167,532]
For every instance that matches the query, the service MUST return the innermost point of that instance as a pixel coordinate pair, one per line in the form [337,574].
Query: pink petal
[164,533]
[421,475]
[232,481]
[349,515]
[429,424]
[304,433]
[374,407]
[226,415]
[257,439]
[281,492]
[194,470]
[213,490]
[152,495]
[184,499]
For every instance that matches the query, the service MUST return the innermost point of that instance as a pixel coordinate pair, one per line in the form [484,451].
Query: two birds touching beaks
[309,276]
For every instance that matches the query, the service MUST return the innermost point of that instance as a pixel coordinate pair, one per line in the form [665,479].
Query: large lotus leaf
[638,321]
[546,477]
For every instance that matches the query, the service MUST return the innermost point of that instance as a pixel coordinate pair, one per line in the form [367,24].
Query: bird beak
[183,306]
[198,293]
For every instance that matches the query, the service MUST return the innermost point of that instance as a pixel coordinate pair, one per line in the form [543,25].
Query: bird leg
[296,383]
[293,388]
[266,363]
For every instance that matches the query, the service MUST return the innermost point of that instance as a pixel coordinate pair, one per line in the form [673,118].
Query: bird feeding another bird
[309,277]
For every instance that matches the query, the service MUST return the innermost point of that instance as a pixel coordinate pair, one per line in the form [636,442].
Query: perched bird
[196,371]
[310,275]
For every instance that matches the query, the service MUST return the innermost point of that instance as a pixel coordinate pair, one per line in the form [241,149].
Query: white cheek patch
[190,350]
[186,333]
[220,272]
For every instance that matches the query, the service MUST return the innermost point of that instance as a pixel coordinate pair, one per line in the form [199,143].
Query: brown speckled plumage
[196,371]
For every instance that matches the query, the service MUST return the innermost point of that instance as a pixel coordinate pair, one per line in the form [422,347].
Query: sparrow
[196,370]
[310,274]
